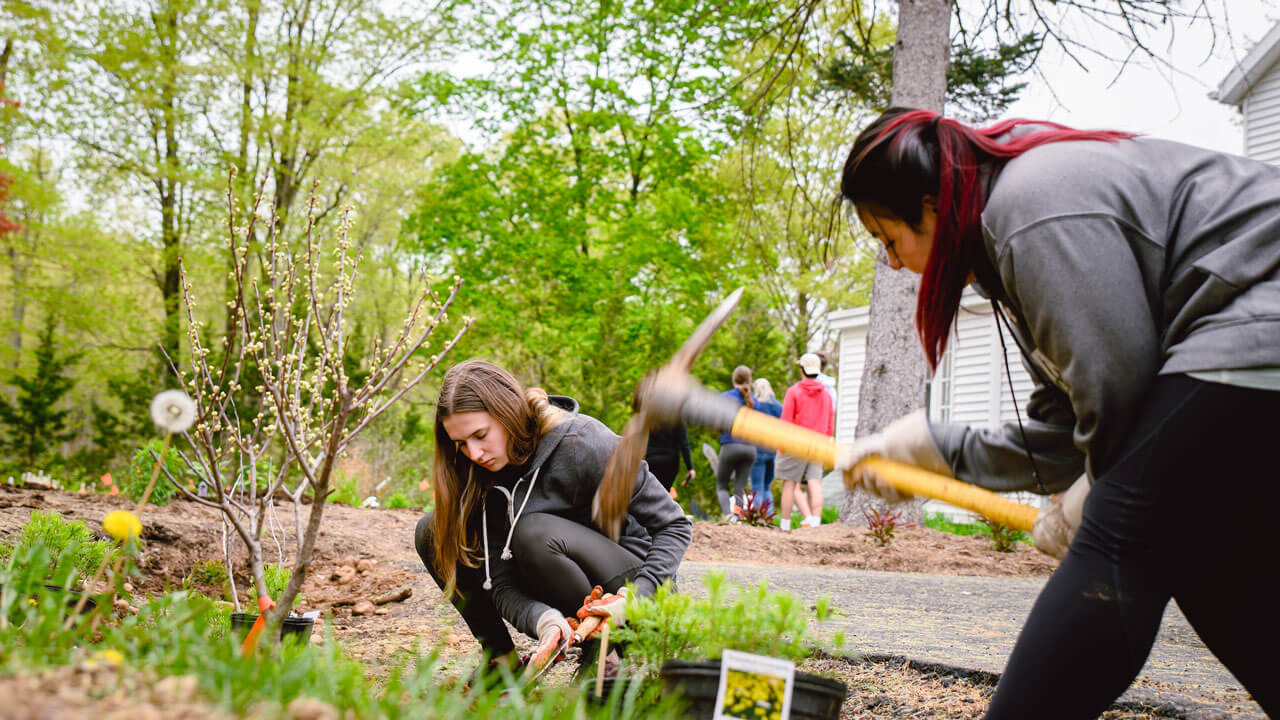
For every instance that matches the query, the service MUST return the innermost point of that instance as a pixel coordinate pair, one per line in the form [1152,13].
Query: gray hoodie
[569,462]
[1121,261]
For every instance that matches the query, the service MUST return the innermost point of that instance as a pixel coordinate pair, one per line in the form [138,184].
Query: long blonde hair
[764,390]
[458,485]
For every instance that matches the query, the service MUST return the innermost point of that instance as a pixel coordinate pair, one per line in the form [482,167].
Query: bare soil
[365,554]
[913,549]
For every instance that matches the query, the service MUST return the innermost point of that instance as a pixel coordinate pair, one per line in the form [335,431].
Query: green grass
[830,514]
[940,522]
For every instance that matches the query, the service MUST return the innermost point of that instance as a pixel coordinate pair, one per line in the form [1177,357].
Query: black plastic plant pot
[612,686]
[811,697]
[293,628]
[73,599]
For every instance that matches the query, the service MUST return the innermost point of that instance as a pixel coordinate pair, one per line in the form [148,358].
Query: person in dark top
[1140,278]
[515,535]
[667,446]
[736,456]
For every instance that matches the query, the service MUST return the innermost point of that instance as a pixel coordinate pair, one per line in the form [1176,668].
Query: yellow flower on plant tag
[122,525]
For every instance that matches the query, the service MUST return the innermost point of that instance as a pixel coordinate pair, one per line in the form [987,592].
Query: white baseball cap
[810,363]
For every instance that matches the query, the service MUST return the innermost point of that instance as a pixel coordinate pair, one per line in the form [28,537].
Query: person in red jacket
[808,404]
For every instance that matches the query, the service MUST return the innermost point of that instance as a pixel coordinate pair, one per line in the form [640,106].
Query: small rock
[381,611]
[364,566]
[123,607]
[364,607]
[175,688]
[128,587]
[343,575]
[305,708]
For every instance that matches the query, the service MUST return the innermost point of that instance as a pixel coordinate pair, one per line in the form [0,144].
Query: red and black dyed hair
[906,154]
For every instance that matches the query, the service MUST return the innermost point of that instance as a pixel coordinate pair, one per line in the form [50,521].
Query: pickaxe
[670,395]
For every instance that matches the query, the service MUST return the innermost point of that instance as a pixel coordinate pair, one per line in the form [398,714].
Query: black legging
[1185,512]
[559,560]
[734,464]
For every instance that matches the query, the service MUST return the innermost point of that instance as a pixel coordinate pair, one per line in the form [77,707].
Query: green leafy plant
[678,626]
[397,501]
[184,634]
[277,577]
[942,523]
[882,524]
[210,573]
[346,491]
[70,546]
[140,469]
[1003,537]
[830,514]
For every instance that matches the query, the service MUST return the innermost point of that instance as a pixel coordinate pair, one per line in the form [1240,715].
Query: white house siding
[969,387]
[853,354]
[1262,118]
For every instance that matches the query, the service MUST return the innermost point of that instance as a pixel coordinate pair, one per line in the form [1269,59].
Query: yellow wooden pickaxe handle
[767,431]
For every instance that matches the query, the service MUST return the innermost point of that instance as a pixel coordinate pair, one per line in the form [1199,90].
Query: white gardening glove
[553,628]
[1056,526]
[907,440]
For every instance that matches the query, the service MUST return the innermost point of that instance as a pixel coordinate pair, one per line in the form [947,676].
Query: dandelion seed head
[173,411]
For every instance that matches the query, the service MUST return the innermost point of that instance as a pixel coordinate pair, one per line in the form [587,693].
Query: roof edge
[1246,73]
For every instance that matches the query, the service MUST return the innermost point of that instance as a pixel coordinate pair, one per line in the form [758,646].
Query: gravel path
[972,623]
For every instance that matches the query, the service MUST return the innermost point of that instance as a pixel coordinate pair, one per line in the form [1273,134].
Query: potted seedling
[294,627]
[684,639]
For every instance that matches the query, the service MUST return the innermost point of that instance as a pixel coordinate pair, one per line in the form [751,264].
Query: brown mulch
[913,549]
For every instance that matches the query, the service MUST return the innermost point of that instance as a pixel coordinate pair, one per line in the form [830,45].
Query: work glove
[1056,525]
[907,440]
[553,629]
[612,608]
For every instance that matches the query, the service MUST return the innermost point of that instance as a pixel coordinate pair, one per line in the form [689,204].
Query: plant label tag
[754,687]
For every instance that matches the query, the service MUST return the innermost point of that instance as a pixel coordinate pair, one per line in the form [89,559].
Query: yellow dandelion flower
[122,525]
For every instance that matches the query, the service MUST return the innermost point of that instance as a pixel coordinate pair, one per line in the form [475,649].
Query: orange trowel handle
[767,431]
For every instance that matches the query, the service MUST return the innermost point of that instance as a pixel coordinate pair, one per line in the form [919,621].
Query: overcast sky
[1150,99]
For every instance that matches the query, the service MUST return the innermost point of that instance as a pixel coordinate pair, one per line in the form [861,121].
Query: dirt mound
[913,549]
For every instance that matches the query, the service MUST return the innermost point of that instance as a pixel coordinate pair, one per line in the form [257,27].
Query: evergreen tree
[33,422]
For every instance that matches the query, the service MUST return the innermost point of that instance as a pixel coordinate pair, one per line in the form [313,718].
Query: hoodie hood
[811,386]
[549,442]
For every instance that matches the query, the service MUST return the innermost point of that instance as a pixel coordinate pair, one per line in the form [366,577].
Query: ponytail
[547,415]
[742,382]
[907,154]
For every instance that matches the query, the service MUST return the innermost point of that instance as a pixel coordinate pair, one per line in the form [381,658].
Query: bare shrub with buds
[277,407]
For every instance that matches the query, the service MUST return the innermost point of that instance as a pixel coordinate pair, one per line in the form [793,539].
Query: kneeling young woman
[512,536]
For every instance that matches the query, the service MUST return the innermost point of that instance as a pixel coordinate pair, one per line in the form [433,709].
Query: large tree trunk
[169,191]
[893,378]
